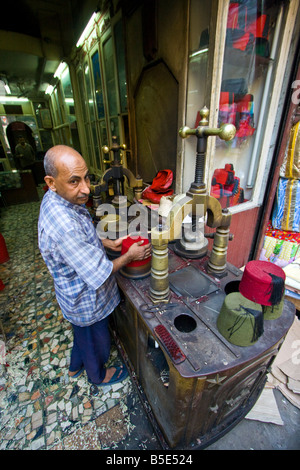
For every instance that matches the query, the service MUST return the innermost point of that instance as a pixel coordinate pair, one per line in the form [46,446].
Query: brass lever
[115,148]
[225,132]
[106,149]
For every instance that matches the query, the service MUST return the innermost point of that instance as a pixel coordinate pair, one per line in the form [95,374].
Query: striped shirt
[84,286]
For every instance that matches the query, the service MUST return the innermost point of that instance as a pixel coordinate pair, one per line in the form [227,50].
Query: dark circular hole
[232,286]
[185,323]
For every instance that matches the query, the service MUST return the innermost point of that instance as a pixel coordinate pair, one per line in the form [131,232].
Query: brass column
[196,195]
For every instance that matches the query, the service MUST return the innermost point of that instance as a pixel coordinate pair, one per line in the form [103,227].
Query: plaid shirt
[85,289]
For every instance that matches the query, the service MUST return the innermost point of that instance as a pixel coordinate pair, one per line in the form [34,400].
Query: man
[85,287]
[25,154]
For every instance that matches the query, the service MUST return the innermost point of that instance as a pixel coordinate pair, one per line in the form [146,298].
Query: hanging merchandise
[227,108]
[237,35]
[247,30]
[286,212]
[291,164]
[161,186]
[247,35]
[225,187]
[245,115]
[236,107]
[260,28]
[237,16]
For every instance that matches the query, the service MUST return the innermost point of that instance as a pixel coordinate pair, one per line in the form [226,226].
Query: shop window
[197,78]
[103,133]
[98,85]
[68,97]
[246,75]
[80,82]
[110,81]
[90,102]
[100,109]
[103,93]
[120,57]
[91,109]
[252,38]
[59,110]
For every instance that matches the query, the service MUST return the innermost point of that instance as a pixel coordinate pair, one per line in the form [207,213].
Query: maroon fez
[263,283]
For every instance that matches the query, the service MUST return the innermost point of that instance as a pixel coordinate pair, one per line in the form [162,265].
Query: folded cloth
[293,270]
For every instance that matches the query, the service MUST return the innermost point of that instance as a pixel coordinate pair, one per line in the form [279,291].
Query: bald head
[57,155]
[67,174]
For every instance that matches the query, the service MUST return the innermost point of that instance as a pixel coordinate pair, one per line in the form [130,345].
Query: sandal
[119,375]
[78,373]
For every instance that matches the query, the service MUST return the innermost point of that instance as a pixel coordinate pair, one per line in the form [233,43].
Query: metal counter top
[189,321]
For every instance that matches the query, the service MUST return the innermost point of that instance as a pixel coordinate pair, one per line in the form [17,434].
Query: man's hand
[115,245]
[139,251]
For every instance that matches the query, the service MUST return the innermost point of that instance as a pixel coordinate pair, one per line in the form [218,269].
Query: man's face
[72,182]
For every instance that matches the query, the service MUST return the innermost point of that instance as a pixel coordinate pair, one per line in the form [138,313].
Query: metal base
[138,272]
[192,254]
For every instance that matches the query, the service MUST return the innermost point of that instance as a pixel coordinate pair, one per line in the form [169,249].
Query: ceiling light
[86,30]
[49,90]
[60,69]
[5,99]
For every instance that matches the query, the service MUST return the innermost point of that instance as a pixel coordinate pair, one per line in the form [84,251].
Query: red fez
[126,244]
[263,283]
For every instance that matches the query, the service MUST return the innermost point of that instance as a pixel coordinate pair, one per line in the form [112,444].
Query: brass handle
[225,132]
[106,149]
[109,161]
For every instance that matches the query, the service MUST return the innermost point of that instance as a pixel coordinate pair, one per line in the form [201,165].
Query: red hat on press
[263,283]
[139,268]
[126,244]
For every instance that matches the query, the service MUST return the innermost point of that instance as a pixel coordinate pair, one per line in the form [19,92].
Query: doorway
[14,131]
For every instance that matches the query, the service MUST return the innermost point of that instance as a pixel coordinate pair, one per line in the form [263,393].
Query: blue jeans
[91,350]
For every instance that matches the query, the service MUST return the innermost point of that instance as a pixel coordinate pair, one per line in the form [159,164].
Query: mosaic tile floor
[40,406]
